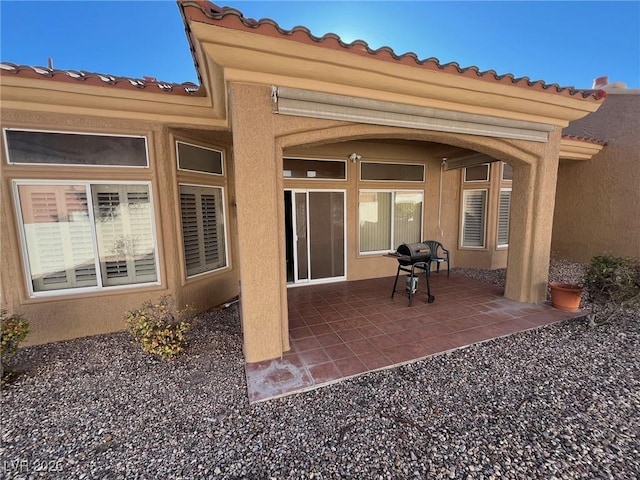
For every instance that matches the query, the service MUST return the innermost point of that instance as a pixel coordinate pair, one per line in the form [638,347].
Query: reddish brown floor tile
[361,346]
[329,339]
[370,331]
[320,329]
[303,344]
[324,372]
[350,366]
[398,354]
[383,341]
[314,320]
[314,357]
[336,352]
[339,330]
[374,360]
[350,335]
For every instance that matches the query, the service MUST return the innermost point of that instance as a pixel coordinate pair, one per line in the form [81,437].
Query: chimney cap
[600,82]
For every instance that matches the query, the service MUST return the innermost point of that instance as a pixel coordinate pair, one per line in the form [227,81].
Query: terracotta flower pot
[565,296]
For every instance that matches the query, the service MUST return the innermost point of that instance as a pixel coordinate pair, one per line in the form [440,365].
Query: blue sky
[569,43]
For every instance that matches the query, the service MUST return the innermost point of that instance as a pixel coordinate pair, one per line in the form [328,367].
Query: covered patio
[340,330]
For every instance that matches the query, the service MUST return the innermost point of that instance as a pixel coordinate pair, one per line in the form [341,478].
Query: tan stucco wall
[598,200]
[67,316]
[261,138]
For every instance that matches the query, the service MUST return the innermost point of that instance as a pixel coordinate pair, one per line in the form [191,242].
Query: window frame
[223,196]
[464,174]
[392,217]
[73,132]
[484,214]
[200,172]
[415,182]
[99,288]
[316,179]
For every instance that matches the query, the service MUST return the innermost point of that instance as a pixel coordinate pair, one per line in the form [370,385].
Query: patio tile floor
[344,329]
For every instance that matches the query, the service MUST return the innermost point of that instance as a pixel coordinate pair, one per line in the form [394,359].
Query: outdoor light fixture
[354,157]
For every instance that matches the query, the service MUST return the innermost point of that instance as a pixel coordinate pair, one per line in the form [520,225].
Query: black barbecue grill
[412,257]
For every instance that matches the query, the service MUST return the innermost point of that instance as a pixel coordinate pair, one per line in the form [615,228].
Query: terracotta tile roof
[584,139]
[88,78]
[206,12]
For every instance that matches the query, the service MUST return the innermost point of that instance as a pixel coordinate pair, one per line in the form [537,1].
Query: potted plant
[566,296]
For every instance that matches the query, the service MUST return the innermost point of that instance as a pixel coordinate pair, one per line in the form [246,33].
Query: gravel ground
[558,402]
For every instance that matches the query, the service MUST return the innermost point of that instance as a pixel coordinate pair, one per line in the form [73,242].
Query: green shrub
[13,330]
[612,284]
[159,328]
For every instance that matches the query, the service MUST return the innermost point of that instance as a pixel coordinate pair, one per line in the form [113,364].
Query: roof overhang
[578,148]
[261,52]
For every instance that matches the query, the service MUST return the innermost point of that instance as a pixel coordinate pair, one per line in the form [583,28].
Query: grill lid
[413,253]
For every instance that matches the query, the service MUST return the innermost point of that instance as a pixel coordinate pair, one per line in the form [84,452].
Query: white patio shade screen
[307,103]
[473,218]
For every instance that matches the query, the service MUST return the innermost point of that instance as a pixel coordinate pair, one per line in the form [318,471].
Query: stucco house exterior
[598,200]
[296,160]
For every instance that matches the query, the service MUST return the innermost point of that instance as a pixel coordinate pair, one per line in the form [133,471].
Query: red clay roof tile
[101,79]
[206,12]
[584,139]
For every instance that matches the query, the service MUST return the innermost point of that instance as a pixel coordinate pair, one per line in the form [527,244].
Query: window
[507,172]
[56,148]
[391,172]
[87,235]
[320,169]
[478,173]
[389,218]
[504,207]
[203,232]
[473,218]
[199,159]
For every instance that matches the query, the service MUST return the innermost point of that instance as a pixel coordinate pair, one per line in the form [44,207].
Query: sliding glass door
[315,222]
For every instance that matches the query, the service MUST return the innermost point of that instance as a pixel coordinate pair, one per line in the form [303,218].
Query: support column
[260,203]
[532,205]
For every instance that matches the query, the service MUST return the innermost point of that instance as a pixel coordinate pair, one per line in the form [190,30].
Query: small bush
[159,328]
[13,330]
[611,284]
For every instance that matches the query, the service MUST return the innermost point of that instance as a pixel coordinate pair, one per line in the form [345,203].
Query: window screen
[199,159]
[52,148]
[478,173]
[321,169]
[391,172]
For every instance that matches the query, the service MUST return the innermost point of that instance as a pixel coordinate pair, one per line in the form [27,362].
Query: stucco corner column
[532,206]
[260,207]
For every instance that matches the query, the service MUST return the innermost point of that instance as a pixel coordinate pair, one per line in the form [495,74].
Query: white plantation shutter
[202,228]
[473,218]
[504,208]
[58,236]
[125,234]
